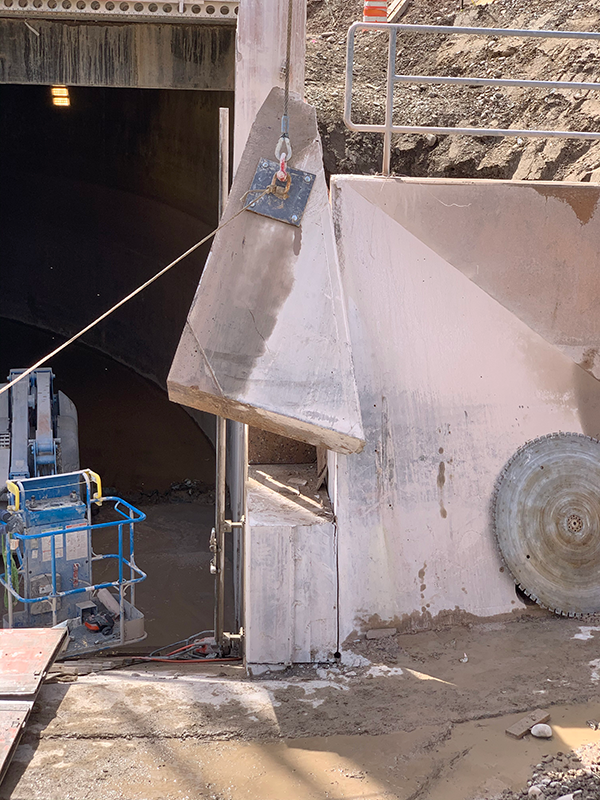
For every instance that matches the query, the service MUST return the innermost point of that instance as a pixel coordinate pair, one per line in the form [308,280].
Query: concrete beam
[266,338]
[112,54]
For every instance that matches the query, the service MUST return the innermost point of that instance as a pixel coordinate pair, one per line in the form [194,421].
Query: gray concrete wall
[455,372]
[142,55]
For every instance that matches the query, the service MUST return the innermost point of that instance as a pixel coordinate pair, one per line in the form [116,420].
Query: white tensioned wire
[126,299]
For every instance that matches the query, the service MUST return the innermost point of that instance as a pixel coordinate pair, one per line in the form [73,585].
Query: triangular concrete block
[266,340]
[530,245]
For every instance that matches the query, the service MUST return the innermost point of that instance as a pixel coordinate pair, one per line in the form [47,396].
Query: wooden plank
[397,9]
[321,467]
[523,726]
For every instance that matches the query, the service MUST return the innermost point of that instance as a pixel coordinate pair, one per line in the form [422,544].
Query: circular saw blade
[547,520]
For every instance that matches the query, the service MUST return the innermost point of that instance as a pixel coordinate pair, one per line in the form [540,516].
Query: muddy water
[139,442]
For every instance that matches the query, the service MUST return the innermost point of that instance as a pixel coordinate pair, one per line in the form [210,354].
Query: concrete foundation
[290,569]
[458,320]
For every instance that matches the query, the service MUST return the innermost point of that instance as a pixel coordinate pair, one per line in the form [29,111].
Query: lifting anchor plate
[286,202]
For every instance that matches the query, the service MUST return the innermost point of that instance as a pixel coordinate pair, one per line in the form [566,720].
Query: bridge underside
[117,54]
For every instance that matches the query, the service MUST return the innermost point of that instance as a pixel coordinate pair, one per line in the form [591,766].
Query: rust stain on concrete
[582,199]
[441,480]
[589,356]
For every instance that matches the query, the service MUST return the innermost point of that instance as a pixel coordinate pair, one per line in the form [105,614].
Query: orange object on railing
[375,11]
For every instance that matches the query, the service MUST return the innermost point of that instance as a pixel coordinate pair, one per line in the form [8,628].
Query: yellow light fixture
[60,96]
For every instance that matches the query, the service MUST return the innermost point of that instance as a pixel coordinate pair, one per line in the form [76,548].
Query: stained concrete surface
[452,382]
[407,720]
[269,306]
[125,53]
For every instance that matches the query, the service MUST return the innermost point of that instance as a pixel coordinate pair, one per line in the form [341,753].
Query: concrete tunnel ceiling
[96,198]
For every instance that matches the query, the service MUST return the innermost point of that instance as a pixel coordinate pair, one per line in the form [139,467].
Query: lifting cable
[283,151]
[129,297]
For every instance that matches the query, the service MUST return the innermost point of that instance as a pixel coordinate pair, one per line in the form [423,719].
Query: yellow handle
[14,490]
[98,481]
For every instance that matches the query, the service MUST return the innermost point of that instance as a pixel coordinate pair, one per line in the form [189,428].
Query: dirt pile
[460,55]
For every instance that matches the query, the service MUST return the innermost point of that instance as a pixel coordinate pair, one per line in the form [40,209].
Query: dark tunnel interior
[96,198]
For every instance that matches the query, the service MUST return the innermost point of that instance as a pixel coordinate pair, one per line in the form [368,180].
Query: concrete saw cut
[547,520]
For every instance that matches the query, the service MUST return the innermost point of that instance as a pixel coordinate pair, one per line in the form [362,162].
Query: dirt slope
[482,157]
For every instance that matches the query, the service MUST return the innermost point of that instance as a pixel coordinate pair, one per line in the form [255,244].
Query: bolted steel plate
[13,716]
[26,654]
[546,512]
[289,208]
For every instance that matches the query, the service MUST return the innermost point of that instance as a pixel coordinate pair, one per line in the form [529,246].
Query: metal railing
[388,128]
[128,516]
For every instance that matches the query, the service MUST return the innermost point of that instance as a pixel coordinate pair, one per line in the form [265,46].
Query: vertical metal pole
[220,530]
[8,578]
[238,478]
[221,437]
[389,107]
[131,558]
[223,159]
[53,562]
[121,592]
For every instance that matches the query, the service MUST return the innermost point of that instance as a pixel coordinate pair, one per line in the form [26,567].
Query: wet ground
[141,444]
[419,724]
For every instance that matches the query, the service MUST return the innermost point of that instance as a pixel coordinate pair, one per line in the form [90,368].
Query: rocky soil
[460,55]
[576,773]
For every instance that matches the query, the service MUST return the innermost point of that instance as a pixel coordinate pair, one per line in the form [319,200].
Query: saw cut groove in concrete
[266,339]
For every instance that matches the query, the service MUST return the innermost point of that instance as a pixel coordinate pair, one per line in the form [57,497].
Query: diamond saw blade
[546,513]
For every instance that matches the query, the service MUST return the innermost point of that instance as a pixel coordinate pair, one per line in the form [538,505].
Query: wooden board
[523,726]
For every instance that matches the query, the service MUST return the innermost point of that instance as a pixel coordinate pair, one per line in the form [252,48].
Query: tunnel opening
[98,195]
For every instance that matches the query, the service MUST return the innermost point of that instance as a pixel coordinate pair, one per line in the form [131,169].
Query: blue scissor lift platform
[52,575]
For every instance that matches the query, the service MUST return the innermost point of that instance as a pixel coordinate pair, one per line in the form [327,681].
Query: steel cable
[129,297]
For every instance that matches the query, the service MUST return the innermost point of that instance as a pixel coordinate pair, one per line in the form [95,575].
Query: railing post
[389,105]
[388,128]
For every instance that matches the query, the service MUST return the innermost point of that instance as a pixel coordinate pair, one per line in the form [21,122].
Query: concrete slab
[290,569]
[266,339]
[452,382]
[531,245]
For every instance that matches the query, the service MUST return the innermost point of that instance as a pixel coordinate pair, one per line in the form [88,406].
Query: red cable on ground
[186,660]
